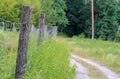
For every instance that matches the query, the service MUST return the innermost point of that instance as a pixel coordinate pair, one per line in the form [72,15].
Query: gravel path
[107,72]
[81,71]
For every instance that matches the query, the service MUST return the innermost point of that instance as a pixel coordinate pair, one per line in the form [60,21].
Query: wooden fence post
[3,24]
[23,43]
[42,27]
[52,31]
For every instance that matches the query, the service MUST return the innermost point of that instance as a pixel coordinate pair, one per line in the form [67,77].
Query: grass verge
[47,61]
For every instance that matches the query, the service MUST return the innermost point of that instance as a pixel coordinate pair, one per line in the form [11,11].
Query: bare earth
[82,73]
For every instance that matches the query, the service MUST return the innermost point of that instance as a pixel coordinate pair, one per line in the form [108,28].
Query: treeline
[72,16]
[54,9]
[107,18]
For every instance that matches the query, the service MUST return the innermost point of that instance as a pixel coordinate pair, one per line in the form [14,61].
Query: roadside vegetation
[47,61]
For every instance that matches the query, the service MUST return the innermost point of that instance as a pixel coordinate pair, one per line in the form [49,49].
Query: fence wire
[8,25]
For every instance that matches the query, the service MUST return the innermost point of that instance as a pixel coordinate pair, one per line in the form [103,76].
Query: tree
[55,12]
[78,13]
[11,9]
[92,13]
[106,15]
[54,9]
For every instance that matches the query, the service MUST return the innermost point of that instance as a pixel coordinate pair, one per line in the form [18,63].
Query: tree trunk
[23,43]
[92,13]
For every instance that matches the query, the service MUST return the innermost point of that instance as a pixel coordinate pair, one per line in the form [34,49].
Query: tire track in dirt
[107,72]
[81,71]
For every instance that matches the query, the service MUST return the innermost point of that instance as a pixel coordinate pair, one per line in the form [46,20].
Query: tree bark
[92,14]
[23,43]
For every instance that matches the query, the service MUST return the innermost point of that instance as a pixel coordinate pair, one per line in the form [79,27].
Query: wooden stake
[23,43]
[42,27]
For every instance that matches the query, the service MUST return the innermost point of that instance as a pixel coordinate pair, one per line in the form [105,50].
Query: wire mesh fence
[8,25]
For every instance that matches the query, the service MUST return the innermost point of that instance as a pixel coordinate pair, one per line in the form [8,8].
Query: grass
[93,72]
[47,61]
[104,52]
[8,51]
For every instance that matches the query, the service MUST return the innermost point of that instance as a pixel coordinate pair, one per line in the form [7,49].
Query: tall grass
[47,61]
[8,49]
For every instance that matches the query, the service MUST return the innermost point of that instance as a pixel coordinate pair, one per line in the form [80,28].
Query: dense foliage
[54,9]
[75,14]
[11,9]
[106,18]
[55,14]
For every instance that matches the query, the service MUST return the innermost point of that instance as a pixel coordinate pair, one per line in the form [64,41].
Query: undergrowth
[47,61]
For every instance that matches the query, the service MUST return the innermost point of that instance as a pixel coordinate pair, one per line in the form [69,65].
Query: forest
[72,17]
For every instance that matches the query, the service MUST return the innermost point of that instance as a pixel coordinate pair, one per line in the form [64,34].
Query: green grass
[103,52]
[93,73]
[8,49]
[47,61]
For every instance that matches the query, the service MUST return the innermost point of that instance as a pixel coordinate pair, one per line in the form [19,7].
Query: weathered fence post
[23,43]
[3,24]
[13,27]
[52,31]
[42,27]
[32,30]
